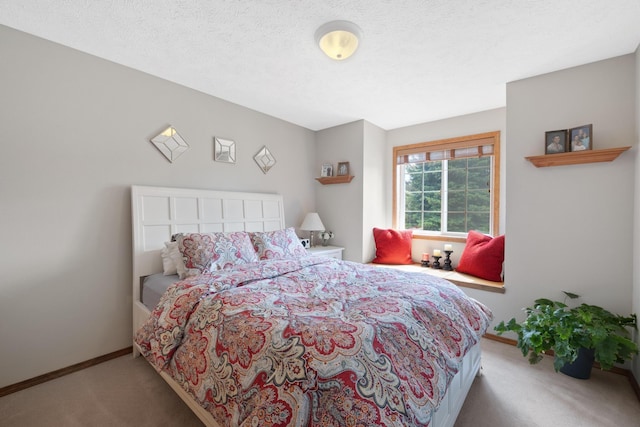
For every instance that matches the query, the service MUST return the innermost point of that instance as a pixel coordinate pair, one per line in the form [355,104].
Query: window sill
[439,237]
[459,279]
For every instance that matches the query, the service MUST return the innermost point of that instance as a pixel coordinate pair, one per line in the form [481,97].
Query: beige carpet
[510,393]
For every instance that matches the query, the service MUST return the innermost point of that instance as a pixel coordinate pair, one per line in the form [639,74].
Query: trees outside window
[448,187]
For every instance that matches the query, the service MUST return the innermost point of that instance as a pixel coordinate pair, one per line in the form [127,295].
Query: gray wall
[570,227]
[340,205]
[376,160]
[470,124]
[352,210]
[567,228]
[75,133]
[75,137]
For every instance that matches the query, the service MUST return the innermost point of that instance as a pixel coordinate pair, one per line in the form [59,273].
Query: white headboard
[160,212]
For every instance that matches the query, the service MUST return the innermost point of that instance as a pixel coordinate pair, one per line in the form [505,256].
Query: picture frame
[327,170]
[555,141]
[581,138]
[343,169]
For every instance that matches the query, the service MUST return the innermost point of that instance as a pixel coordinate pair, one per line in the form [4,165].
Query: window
[448,187]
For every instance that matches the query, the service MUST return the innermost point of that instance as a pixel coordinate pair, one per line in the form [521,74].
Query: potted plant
[587,331]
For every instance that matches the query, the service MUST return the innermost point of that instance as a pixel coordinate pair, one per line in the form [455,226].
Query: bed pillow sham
[202,252]
[178,261]
[170,254]
[482,256]
[278,244]
[392,246]
[172,262]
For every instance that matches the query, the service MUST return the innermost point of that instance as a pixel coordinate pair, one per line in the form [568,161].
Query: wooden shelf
[342,179]
[577,157]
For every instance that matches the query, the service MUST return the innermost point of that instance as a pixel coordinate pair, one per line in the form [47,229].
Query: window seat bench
[460,279]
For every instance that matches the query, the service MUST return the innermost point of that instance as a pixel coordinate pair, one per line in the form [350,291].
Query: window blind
[419,153]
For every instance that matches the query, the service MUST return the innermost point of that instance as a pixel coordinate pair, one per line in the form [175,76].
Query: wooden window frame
[488,138]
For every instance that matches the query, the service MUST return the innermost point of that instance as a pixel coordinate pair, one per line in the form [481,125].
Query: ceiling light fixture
[338,39]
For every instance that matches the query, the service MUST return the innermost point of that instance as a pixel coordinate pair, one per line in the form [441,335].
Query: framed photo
[555,141]
[581,138]
[327,170]
[343,169]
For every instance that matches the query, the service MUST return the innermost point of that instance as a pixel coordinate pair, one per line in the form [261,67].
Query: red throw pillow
[482,256]
[392,246]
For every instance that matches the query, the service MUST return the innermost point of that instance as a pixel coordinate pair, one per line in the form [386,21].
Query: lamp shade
[338,39]
[312,222]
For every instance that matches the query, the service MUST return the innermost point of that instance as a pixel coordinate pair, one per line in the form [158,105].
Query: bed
[283,338]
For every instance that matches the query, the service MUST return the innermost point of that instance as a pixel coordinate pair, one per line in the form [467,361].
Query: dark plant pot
[581,367]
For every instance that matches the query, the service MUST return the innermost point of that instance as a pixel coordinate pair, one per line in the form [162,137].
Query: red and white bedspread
[313,342]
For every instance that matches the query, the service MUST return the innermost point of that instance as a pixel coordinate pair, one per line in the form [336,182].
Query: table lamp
[311,223]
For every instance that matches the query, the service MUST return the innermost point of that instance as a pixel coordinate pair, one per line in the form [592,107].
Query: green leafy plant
[553,325]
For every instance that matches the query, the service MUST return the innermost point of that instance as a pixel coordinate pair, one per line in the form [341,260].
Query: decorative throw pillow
[482,256]
[392,246]
[278,244]
[232,249]
[203,252]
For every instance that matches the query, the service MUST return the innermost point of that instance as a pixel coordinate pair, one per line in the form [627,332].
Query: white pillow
[172,262]
[168,266]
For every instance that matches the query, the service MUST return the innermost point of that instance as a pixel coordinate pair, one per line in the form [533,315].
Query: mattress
[154,286]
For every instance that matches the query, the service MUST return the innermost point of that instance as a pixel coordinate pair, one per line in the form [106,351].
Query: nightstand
[330,251]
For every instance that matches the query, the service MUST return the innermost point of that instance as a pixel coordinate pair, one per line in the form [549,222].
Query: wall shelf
[577,157]
[342,179]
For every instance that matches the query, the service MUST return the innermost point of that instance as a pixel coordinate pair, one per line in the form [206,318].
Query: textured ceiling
[419,60]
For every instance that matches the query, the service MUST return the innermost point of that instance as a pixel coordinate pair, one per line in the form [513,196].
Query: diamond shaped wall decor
[264,159]
[170,143]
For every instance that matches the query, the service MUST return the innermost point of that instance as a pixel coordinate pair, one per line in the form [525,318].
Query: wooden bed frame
[160,212]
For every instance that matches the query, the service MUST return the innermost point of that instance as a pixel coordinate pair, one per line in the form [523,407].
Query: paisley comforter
[313,342]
